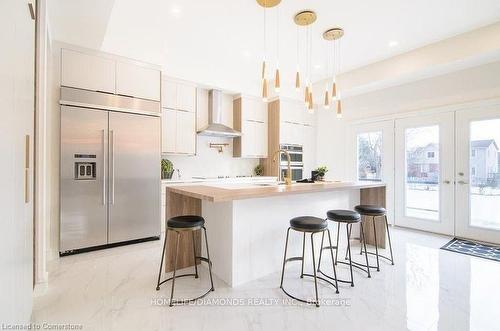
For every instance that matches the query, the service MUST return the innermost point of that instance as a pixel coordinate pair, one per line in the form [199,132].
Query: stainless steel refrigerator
[110,170]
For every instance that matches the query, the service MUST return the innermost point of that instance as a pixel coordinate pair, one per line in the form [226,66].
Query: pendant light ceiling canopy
[305,18]
[333,34]
[268,3]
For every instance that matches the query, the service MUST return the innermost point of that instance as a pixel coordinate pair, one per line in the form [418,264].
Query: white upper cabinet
[169,130]
[179,95]
[186,133]
[253,109]
[137,81]
[88,72]
[186,97]
[250,117]
[178,132]
[105,74]
[169,94]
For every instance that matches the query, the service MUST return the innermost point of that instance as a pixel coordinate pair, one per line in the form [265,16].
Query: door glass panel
[370,156]
[422,172]
[484,192]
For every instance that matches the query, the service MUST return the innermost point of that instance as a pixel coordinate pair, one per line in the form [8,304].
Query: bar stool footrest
[380,256]
[357,265]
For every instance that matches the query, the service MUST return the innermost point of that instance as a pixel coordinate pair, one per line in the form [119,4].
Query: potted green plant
[258,170]
[321,171]
[167,169]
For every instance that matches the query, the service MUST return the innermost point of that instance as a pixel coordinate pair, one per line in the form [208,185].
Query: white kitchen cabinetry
[250,118]
[179,117]
[106,74]
[185,133]
[87,71]
[179,96]
[178,132]
[169,130]
[137,81]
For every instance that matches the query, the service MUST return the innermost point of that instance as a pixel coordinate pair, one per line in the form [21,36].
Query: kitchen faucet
[288,177]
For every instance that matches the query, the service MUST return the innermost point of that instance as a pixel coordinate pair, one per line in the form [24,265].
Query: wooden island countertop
[190,199]
[215,192]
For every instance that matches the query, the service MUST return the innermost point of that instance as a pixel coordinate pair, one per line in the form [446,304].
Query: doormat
[472,248]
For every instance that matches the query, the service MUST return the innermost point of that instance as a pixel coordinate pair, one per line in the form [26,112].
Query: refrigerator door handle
[104,167]
[112,175]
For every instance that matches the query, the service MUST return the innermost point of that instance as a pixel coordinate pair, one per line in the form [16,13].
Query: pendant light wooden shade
[263,69]
[333,36]
[306,95]
[277,83]
[334,90]
[327,99]
[264,90]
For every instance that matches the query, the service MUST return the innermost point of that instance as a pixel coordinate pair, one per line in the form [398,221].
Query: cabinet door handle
[27,169]
[461,182]
[447,182]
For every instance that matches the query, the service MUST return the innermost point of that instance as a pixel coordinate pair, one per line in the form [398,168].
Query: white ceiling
[220,43]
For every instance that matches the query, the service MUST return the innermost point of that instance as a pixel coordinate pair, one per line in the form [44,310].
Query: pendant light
[269,4]
[277,84]
[297,73]
[304,19]
[334,35]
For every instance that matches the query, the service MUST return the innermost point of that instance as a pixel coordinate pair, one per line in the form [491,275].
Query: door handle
[461,182]
[27,169]
[112,175]
[447,182]
[104,167]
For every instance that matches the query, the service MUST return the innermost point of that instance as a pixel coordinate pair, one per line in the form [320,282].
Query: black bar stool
[376,212]
[347,217]
[180,224]
[312,225]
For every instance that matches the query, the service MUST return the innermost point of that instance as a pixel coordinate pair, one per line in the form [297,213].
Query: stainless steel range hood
[215,128]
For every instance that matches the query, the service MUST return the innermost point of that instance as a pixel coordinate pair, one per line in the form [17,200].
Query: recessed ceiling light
[393,43]
[175,10]
[246,53]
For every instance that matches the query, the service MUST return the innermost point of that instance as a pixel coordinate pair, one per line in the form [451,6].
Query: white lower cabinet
[178,132]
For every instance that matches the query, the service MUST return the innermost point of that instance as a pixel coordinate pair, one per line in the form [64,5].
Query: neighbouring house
[484,161]
[423,163]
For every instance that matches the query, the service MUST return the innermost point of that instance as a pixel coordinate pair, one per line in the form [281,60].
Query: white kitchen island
[247,223]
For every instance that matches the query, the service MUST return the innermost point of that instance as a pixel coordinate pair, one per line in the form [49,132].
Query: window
[430,155]
[370,156]
[473,153]
[473,171]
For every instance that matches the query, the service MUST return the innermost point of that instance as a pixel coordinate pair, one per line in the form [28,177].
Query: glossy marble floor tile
[427,289]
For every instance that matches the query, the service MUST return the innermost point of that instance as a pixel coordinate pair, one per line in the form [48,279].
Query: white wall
[208,162]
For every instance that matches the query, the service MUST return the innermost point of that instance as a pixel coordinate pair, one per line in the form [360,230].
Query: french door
[478,174]
[424,173]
